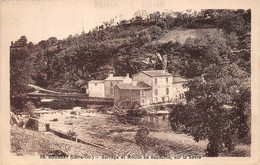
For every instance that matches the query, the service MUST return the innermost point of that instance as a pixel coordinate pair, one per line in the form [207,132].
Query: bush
[162,150]
[15,110]
[29,108]
[31,124]
[71,134]
[134,116]
[102,109]
[161,24]
[155,32]
[142,139]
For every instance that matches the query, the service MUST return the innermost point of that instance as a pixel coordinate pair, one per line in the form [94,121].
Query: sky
[41,19]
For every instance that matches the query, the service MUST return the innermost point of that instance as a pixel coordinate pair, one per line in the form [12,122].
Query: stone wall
[109,87]
[146,97]
[37,125]
[125,98]
[144,78]
[96,89]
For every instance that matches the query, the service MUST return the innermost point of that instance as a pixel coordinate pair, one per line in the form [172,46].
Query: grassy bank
[27,142]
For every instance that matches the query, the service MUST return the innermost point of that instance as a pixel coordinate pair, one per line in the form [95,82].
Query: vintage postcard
[129,82]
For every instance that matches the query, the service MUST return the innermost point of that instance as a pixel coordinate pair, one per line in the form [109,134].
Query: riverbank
[28,142]
[103,130]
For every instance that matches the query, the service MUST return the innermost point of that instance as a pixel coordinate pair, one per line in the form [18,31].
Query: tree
[142,139]
[206,50]
[21,71]
[30,45]
[218,109]
[155,32]
[162,150]
[52,41]
[231,21]
[141,14]
[155,16]
[23,41]
[161,24]
[29,108]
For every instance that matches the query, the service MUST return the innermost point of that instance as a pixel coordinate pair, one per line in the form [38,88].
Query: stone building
[178,89]
[112,81]
[128,95]
[96,88]
[161,82]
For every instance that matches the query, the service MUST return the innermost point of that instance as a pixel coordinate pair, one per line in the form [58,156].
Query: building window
[156,91]
[167,91]
[155,81]
[142,93]
[167,99]
[163,99]
[111,90]
[142,102]
[180,96]
[167,80]
[111,84]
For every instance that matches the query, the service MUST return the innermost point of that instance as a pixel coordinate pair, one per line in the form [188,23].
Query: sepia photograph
[103,81]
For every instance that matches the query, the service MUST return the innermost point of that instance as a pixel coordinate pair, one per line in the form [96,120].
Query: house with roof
[127,95]
[96,88]
[161,83]
[149,87]
[143,89]
[105,88]
[112,81]
[178,90]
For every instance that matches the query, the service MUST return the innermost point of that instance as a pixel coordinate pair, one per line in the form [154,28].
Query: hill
[130,46]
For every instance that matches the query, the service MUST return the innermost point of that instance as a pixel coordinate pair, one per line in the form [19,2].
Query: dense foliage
[218,109]
[130,46]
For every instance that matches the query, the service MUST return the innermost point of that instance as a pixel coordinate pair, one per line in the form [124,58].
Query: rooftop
[139,86]
[116,78]
[96,81]
[178,79]
[156,73]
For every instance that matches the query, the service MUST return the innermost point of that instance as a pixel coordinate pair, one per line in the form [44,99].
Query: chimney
[164,62]
[110,75]
[134,83]
[127,75]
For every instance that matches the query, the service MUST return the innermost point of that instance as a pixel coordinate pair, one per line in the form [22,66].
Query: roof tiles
[139,86]
[156,73]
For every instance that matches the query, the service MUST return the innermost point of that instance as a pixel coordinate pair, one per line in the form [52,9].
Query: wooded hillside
[191,41]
